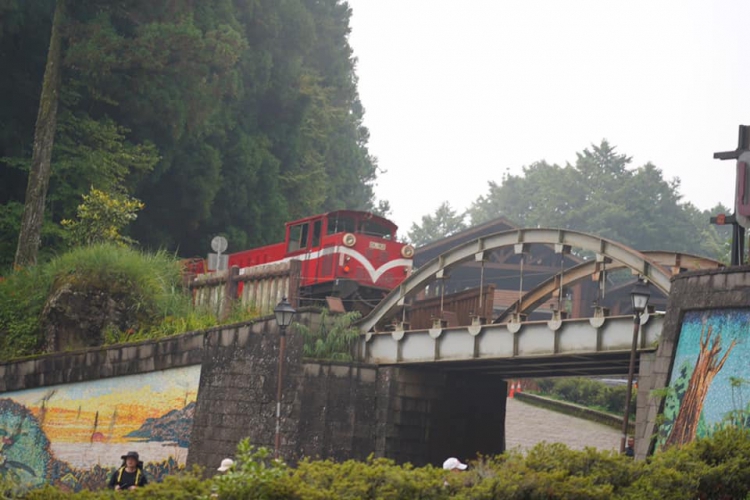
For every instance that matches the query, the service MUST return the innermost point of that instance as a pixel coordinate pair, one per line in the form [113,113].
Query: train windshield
[373,228]
[338,223]
[346,223]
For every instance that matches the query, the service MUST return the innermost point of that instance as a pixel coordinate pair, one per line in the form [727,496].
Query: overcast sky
[456,93]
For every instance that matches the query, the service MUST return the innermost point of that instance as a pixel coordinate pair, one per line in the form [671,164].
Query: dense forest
[222,117]
[234,116]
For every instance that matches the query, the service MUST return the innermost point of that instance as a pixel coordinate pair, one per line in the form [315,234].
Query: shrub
[101,218]
[712,468]
[22,297]
[333,338]
[587,392]
[146,287]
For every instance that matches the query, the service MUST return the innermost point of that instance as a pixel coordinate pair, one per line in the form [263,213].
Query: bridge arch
[674,262]
[475,250]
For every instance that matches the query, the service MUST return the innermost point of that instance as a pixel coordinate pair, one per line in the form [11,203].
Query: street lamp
[284,313]
[639,299]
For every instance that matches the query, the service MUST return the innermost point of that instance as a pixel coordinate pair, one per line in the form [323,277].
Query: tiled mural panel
[710,383]
[74,435]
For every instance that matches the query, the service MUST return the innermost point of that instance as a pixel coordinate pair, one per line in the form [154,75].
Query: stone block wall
[335,406]
[102,362]
[337,410]
[237,391]
[67,415]
[329,410]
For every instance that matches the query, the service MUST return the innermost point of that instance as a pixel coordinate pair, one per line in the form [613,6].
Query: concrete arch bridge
[510,346]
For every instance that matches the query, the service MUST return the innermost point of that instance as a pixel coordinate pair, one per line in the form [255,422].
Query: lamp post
[284,313]
[639,300]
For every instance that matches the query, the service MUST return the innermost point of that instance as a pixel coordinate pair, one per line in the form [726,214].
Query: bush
[22,297]
[147,288]
[587,392]
[710,469]
[333,338]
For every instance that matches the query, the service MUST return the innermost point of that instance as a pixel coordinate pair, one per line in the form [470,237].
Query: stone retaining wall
[102,362]
[574,410]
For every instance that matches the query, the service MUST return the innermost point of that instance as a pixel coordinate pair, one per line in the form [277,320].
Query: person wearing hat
[130,475]
[226,464]
[454,464]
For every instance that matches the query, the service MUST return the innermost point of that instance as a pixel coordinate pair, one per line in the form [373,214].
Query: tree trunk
[44,137]
[706,368]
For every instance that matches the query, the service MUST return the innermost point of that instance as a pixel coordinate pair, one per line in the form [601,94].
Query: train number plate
[377,246]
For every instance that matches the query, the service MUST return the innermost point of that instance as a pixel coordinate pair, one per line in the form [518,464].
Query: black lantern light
[639,299]
[284,314]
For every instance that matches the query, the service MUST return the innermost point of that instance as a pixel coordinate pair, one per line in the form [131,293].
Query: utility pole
[740,220]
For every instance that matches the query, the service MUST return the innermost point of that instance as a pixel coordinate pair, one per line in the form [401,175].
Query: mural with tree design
[705,388]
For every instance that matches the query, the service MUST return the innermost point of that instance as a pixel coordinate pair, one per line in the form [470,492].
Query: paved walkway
[527,425]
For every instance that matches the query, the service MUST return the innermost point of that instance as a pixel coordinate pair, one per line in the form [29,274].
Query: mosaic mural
[710,383]
[74,435]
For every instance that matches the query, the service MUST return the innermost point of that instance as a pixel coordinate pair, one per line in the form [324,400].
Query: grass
[147,288]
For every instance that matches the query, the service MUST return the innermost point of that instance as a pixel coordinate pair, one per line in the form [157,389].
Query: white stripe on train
[375,274]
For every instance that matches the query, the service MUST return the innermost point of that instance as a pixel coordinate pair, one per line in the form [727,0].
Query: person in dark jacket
[130,475]
[629,450]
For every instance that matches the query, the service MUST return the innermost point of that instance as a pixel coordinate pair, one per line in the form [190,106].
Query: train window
[341,224]
[375,229]
[316,233]
[297,237]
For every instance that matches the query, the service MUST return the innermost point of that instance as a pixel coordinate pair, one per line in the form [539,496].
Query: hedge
[712,468]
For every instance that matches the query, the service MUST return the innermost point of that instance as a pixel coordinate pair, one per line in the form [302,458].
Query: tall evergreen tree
[222,117]
[445,221]
[44,138]
[600,194]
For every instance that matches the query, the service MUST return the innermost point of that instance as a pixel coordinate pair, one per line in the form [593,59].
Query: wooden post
[230,292]
[295,272]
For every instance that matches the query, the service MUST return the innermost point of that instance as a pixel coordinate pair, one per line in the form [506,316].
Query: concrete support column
[642,403]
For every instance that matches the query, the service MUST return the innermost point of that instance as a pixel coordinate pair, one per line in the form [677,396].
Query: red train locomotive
[349,254]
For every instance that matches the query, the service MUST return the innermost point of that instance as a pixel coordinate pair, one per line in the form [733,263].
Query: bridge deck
[595,346]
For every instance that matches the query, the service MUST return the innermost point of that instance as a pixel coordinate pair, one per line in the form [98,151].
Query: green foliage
[101,218]
[254,475]
[183,317]
[444,222]
[147,283]
[600,194]
[22,297]
[587,392]
[375,478]
[332,338]
[711,469]
[223,117]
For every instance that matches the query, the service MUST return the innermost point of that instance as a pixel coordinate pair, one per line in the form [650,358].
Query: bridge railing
[258,287]
[532,339]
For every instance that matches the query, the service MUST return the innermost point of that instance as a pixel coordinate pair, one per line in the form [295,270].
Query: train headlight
[407,252]
[349,240]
